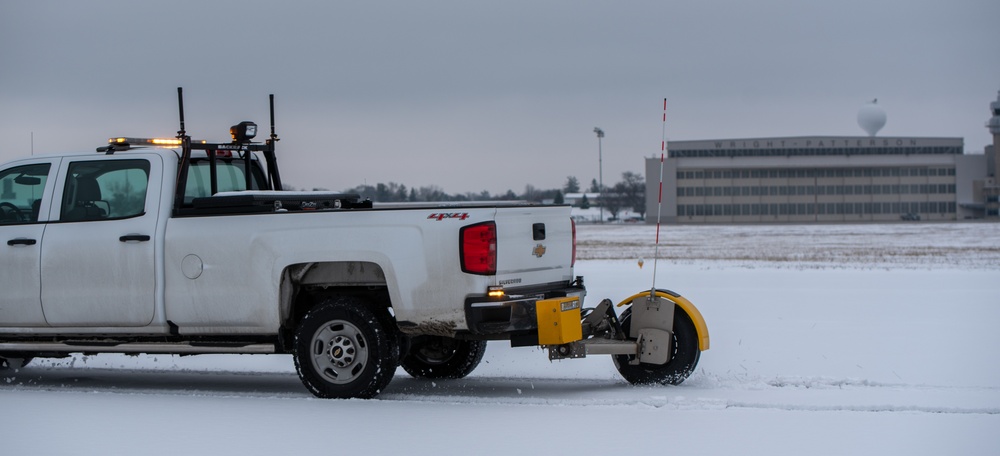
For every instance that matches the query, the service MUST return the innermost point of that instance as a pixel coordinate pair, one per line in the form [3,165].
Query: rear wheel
[343,350]
[442,357]
[682,362]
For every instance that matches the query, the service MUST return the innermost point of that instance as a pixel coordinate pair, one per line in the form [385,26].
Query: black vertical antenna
[185,162]
[274,179]
[247,168]
[180,108]
[270,99]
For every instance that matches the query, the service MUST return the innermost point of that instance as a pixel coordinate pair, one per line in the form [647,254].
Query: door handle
[134,237]
[22,241]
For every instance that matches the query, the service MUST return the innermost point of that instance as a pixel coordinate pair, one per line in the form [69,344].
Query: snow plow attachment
[684,304]
[559,321]
[657,339]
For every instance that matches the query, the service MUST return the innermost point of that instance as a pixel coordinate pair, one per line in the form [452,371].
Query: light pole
[600,171]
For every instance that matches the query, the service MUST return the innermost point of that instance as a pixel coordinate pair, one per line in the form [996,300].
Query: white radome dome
[871,117]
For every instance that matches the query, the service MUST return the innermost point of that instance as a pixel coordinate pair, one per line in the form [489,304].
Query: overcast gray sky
[473,96]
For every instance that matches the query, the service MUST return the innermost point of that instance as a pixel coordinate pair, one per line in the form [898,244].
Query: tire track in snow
[865,408]
[505,391]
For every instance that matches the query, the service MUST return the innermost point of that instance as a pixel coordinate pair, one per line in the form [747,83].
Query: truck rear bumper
[514,312]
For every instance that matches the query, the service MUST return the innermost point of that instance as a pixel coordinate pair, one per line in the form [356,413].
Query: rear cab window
[230,177]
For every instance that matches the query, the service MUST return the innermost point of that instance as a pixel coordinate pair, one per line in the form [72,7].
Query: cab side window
[99,190]
[21,193]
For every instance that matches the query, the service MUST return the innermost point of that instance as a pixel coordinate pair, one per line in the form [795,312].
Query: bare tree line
[629,193]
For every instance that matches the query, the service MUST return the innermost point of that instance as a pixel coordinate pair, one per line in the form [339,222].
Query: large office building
[824,179]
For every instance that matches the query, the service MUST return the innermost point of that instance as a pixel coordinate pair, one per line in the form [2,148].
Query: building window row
[770,152]
[796,190]
[785,173]
[776,209]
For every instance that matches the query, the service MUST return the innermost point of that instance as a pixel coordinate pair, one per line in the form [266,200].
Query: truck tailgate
[534,245]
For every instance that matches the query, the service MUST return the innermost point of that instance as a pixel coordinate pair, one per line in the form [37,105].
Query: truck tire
[442,357]
[343,350]
[682,362]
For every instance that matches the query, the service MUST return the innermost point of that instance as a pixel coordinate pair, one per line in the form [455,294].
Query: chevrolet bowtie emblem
[538,251]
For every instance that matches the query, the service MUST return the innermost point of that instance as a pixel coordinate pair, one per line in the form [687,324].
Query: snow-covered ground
[831,339]
[867,246]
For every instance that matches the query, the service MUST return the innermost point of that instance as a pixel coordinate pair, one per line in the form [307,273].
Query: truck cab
[99,220]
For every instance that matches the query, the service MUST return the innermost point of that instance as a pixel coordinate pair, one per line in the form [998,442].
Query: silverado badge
[538,251]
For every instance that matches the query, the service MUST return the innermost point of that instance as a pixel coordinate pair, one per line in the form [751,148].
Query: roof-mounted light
[125,143]
[243,131]
[158,142]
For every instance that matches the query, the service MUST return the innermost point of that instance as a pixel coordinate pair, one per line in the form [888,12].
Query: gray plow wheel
[682,362]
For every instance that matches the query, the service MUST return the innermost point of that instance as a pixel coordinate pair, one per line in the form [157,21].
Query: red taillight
[573,224]
[479,248]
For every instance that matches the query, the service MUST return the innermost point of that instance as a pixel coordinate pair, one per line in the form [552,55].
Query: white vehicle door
[98,264]
[24,205]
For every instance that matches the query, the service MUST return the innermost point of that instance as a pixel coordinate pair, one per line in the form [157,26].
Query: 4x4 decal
[448,215]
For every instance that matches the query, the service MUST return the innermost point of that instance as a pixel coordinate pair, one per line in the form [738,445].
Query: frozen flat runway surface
[833,339]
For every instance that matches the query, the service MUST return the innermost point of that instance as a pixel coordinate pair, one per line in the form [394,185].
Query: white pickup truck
[181,247]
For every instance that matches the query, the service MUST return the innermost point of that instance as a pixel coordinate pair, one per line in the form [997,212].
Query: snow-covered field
[897,246]
[831,339]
